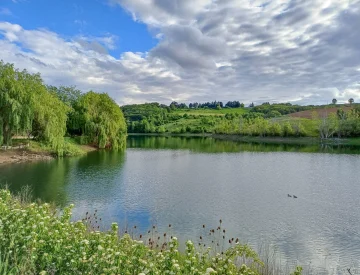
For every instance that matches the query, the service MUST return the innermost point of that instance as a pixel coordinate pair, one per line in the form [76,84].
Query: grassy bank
[35,239]
[31,150]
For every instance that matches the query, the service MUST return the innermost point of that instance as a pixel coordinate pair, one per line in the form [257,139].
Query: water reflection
[212,145]
[188,182]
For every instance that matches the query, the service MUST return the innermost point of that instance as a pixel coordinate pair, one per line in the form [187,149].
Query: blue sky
[93,18]
[298,51]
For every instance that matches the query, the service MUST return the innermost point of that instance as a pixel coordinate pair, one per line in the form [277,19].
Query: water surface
[188,182]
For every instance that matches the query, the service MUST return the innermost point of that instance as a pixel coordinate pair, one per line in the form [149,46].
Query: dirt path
[21,155]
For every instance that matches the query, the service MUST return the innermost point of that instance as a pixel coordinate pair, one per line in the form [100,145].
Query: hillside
[322,111]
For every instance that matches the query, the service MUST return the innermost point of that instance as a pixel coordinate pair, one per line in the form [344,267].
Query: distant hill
[322,110]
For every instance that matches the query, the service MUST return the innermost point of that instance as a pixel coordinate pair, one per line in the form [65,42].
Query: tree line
[47,114]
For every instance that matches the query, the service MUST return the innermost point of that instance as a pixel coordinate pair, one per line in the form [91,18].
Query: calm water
[193,181]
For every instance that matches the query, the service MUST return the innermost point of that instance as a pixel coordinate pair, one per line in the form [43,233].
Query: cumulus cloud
[253,51]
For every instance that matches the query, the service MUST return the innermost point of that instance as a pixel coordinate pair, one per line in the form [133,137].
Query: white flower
[209,270]
[100,247]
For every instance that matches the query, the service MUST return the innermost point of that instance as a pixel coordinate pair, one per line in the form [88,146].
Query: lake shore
[22,155]
[34,153]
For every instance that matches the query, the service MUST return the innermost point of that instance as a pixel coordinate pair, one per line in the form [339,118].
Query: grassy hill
[271,120]
[323,111]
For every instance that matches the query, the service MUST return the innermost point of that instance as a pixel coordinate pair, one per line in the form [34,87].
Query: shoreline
[11,156]
[28,154]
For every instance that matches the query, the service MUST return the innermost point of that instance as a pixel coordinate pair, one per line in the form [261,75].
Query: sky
[297,51]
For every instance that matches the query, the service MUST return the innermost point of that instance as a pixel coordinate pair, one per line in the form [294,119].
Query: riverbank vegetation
[33,111]
[266,120]
[35,239]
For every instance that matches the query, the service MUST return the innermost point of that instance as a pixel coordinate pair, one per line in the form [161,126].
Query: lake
[188,182]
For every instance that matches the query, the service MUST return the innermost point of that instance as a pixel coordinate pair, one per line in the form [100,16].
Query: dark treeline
[30,109]
[207,105]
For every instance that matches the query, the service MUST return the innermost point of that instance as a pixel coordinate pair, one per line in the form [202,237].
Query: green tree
[67,94]
[50,116]
[16,98]
[351,101]
[334,101]
[27,107]
[104,123]
[328,125]
[287,129]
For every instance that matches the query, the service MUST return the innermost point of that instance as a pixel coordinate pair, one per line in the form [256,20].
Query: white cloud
[277,51]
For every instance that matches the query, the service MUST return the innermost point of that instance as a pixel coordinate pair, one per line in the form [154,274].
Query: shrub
[35,239]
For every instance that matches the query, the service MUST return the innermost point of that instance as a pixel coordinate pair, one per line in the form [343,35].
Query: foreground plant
[35,239]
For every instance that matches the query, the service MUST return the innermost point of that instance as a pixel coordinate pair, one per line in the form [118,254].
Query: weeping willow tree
[104,123]
[28,108]
[15,111]
[49,124]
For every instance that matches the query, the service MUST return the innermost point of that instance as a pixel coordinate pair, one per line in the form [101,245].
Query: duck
[295,197]
[289,196]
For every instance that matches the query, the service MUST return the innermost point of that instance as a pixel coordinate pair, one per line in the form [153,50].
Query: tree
[334,101]
[50,116]
[27,107]
[328,125]
[351,101]
[16,112]
[67,94]
[104,122]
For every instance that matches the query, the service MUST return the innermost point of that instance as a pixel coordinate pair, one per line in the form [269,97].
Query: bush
[72,150]
[34,239]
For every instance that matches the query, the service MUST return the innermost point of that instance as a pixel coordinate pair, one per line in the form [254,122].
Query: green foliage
[17,94]
[264,120]
[50,120]
[298,271]
[275,110]
[34,239]
[28,108]
[104,123]
[69,95]
[287,129]
[138,114]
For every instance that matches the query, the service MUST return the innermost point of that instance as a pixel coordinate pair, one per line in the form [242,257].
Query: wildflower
[209,270]
[100,247]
